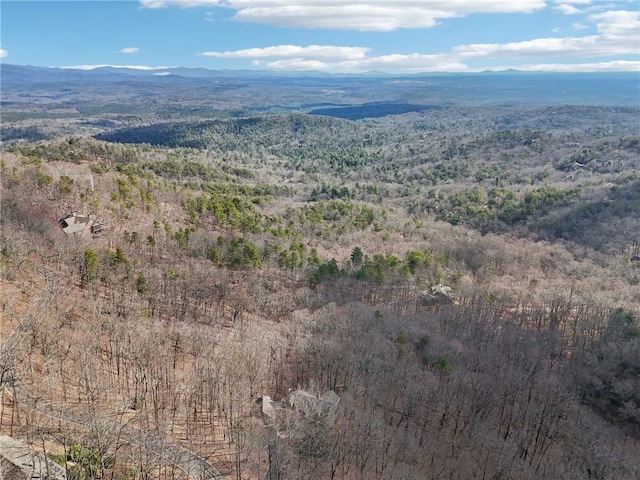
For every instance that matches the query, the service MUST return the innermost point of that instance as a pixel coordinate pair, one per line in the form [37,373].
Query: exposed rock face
[19,462]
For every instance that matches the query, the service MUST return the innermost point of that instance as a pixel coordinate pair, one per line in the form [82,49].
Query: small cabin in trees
[437,295]
[79,224]
[324,406]
[306,404]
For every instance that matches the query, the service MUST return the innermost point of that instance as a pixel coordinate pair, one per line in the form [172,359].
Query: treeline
[370,110]
[477,208]
[224,135]
[594,221]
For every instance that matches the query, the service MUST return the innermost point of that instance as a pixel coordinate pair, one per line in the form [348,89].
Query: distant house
[75,223]
[269,407]
[324,406]
[437,295]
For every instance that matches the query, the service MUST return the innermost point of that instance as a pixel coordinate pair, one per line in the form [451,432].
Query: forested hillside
[466,279]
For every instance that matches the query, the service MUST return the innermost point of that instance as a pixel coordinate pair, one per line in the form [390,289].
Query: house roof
[330,397]
[437,295]
[268,407]
[78,223]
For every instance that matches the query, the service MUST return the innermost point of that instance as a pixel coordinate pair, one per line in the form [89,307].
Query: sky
[333,36]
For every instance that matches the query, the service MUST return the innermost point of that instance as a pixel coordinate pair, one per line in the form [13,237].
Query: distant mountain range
[24,84]
[109,71]
[33,74]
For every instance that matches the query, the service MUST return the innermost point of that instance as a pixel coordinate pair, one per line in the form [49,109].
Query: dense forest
[424,291]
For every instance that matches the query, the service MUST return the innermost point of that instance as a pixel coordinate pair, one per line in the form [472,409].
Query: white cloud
[568,6]
[130,50]
[315,52]
[3,53]
[413,63]
[93,67]
[345,17]
[567,9]
[434,63]
[337,59]
[618,23]
[364,15]
[618,34]
[614,66]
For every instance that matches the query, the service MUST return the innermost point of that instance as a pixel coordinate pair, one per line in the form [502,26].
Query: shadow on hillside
[610,223]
